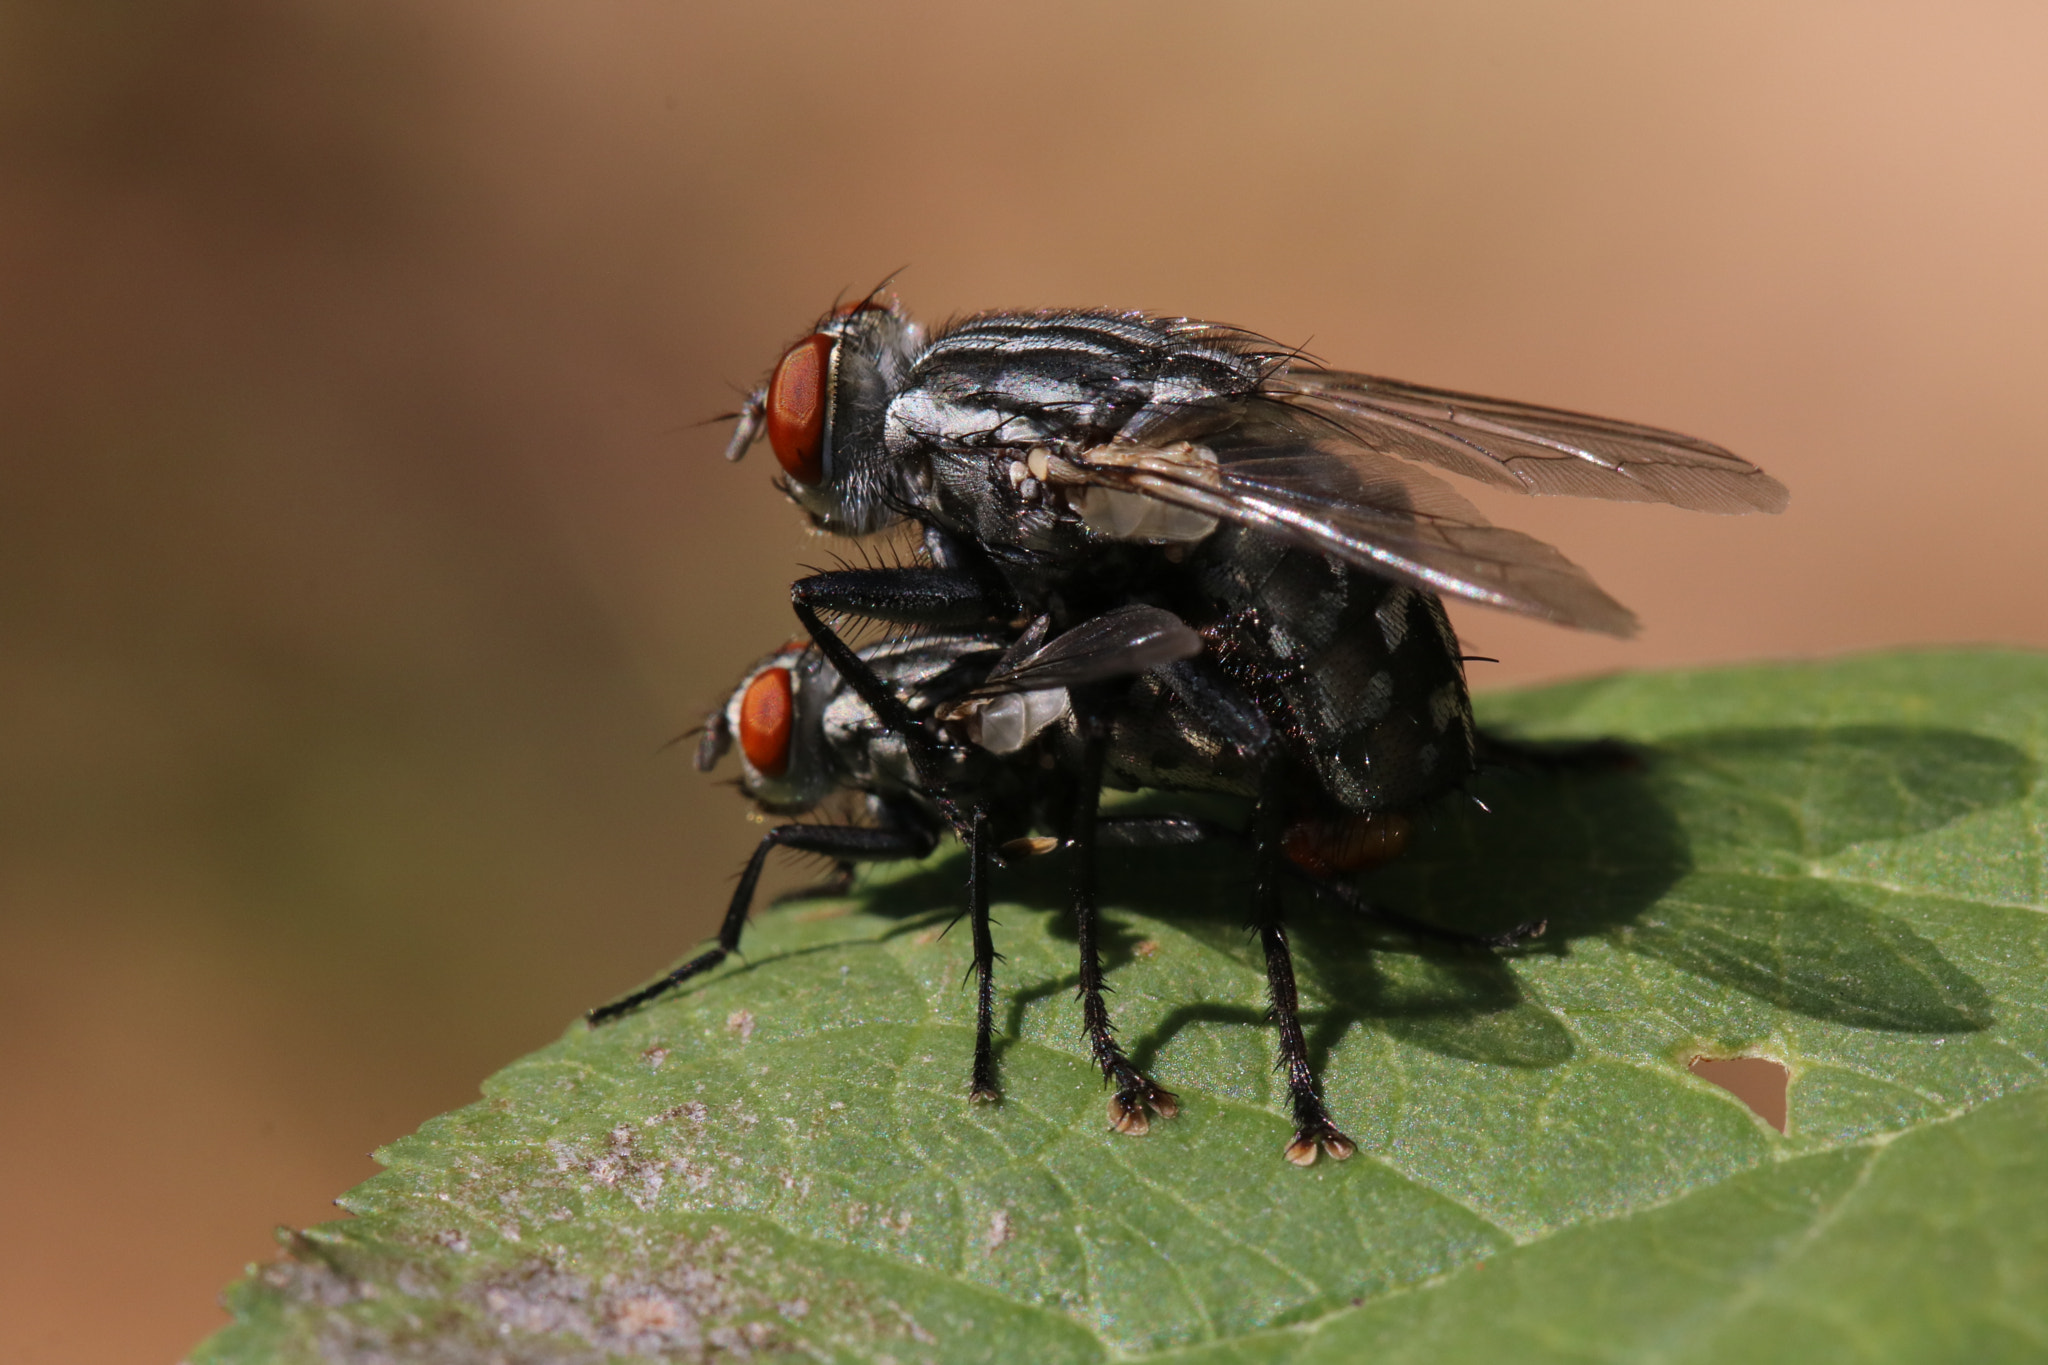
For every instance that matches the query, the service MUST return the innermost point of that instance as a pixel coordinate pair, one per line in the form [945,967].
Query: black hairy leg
[1160,831]
[980,863]
[909,597]
[1313,1129]
[1137,831]
[1346,897]
[847,843]
[1135,1094]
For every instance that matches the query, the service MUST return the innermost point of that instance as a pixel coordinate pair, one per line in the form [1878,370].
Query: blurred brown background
[358,547]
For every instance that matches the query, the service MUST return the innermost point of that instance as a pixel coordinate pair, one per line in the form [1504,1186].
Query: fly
[1001,708]
[1054,438]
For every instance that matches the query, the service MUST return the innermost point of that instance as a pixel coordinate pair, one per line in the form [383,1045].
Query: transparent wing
[1115,644]
[1527,448]
[1363,507]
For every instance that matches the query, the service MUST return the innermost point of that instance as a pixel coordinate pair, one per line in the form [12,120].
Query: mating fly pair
[1069,465]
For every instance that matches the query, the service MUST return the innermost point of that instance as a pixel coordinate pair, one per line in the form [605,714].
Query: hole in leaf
[1758,1082]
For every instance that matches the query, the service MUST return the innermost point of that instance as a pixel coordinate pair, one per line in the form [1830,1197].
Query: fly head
[822,411]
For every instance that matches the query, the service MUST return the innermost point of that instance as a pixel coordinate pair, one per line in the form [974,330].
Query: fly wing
[1365,508]
[1527,448]
[1116,644]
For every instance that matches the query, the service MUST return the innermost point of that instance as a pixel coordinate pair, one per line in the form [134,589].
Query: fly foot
[1319,1134]
[982,1086]
[1128,1106]
[1526,932]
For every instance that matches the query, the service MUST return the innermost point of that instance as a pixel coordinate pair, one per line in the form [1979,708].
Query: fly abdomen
[1361,672]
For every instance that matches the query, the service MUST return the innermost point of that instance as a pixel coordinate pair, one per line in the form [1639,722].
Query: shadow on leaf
[1471,1009]
[1795,943]
[1813,792]
[1618,852]
[1630,849]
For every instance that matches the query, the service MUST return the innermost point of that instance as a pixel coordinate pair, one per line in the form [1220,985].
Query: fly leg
[1138,831]
[928,597]
[1313,1129]
[1346,898]
[848,843]
[1134,1093]
[1161,831]
[912,597]
[982,1084]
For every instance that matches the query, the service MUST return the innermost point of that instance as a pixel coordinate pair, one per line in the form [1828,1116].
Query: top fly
[1053,435]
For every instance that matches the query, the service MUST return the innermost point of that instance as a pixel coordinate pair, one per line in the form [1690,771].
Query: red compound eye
[765,712]
[796,408]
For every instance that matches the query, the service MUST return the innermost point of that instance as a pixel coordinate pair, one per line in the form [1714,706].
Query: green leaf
[1837,866]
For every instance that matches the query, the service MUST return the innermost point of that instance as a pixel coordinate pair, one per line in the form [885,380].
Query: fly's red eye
[765,712]
[796,408]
